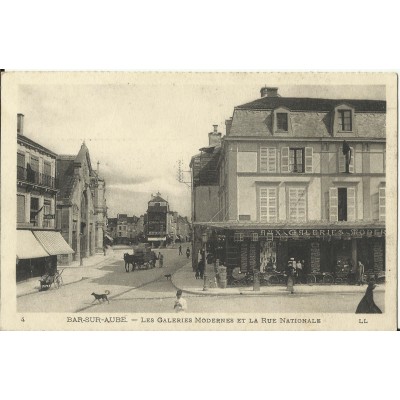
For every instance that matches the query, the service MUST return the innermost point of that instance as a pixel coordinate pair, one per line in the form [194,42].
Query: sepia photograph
[201,201]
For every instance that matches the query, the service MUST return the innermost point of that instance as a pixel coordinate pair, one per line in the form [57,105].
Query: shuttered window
[297,204]
[267,159]
[20,208]
[348,200]
[285,159]
[342,160]
[351,204]
[309,160]
[268,204]
[382,204]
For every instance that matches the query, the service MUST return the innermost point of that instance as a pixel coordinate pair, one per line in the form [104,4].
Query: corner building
[303,178]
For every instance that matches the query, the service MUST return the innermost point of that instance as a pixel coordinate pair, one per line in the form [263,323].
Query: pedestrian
[180,303]
[105,250]
[160,260]
[180,250]
[188,252]
[200,269]
[299,271]
[360,273]
[290,272]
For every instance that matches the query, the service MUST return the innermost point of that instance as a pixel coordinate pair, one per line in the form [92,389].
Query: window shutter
[20,208]
[285,159]
[351,204]
[342,160]
[263,159]
[309,160]
[333,204]
[351,166]
[382,205]
[268,204]
[271,159]
[272,205]
[301,205]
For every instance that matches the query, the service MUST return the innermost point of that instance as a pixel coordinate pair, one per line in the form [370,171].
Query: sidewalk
[184,279]
[70,273]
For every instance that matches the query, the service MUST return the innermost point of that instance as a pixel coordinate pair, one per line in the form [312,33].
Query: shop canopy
[109,238]
[156,239]
[28,246]
[53,242]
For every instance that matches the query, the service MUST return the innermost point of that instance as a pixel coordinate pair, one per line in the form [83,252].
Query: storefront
[328,249]
[37,252]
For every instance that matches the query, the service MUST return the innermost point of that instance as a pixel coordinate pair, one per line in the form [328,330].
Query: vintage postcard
[198,201]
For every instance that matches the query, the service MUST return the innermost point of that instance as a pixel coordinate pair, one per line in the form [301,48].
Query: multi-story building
[303,178]
[38,242]
[81,205]
[156,221]
[125,230]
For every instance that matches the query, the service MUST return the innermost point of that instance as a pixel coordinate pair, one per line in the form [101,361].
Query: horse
[129,259]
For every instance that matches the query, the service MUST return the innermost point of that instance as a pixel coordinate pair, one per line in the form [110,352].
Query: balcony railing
[29,175]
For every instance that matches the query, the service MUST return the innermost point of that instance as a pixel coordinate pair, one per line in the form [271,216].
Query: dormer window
[282,122]
[345,121]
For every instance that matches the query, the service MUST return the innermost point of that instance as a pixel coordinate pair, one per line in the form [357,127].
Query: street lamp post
[205,282]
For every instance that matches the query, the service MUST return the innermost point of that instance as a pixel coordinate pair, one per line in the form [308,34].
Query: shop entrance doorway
[300,251]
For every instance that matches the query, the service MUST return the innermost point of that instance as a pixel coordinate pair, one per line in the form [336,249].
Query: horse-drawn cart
[143,258]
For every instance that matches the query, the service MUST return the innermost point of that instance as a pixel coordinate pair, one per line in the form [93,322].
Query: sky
[139,131]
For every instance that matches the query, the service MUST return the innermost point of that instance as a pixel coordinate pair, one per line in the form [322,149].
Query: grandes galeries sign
[314,232]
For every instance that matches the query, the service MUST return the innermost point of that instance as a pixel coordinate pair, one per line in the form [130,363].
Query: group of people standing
[187,251]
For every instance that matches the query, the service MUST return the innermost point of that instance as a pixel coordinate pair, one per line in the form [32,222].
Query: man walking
[180,250]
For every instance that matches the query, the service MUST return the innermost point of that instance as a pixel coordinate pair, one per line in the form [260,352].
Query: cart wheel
[311,279]
[328,279]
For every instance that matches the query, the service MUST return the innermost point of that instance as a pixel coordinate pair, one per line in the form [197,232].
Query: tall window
[268,159]
[345,120]
[47,223]
[34,211]
[297,205]
[268,205]
[296,160]
[342,204]
[382,205]
[20,166]
[282,122]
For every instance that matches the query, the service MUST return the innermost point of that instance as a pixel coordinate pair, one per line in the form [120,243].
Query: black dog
[101,296]
[168,276]
[367,304]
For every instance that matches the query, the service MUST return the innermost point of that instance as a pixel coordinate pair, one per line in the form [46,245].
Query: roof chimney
[214,138]
[269,92]
[228,125]
[20,124]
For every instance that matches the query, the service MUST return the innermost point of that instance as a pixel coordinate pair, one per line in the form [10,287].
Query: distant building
[125,230]
[156,220]
[38,243]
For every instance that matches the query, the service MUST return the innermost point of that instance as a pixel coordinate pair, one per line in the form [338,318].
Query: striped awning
[28,246]
[53,242]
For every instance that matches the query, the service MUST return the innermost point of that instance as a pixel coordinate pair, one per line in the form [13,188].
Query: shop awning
[156,239]
[53,242]
[109,238]
[28,246]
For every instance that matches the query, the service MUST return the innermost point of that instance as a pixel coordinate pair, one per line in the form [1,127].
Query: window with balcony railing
[32,176]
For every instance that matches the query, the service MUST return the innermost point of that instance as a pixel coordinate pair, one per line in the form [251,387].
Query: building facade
[156,220]
[81,205]
[38,242]
[303,178]
[126,230]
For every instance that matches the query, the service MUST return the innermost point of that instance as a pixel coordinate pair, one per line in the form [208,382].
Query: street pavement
[150,291]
